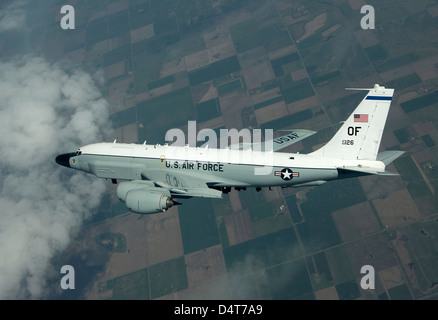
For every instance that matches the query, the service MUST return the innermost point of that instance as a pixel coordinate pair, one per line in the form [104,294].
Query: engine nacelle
[124,187]
[147,201]
[143,197]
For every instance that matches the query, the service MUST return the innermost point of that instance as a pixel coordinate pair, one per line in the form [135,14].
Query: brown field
[397,73]
[127,134]
[391,277]
[355,221]
[117,94]
[221,51]
[423,128]
[197,60]
[172,67]
[330,30]
[204,265]
[374,250]
[366,39]
[263,96]
[116,6]
[231,106]
[356,4]
[273,194]
[315,24]
[212,123]
[133,227]
[298,75]
[379,187]
[282,52]
[215,38]
[303,104]
[239,227]
[433,10]
[235,201]
[426,68]
[329,293]
[210,94]
[256,75]
[397,209]
[272,112]
[163,237]
[142,33]
[388,140]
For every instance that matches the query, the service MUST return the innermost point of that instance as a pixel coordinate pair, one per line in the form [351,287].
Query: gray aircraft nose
[64,159]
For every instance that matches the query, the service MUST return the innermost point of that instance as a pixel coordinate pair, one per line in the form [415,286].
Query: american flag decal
[360,117]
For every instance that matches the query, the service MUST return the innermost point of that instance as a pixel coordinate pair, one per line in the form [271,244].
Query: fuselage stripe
[228,163]
[378,98]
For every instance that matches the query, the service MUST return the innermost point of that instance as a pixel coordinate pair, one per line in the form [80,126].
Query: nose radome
[64,159]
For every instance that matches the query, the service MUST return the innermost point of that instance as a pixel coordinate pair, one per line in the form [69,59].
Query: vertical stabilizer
[360,135]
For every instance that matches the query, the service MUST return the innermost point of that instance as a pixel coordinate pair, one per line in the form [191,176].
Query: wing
[292,137]
[279,143]
[186,184]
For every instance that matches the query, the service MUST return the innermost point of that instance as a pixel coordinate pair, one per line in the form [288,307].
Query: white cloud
[13,17]
[44,111]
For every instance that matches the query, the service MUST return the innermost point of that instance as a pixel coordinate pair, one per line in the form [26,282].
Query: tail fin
[360,135]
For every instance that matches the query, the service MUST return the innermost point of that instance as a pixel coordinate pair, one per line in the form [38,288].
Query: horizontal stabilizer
[388,156]
[366,171]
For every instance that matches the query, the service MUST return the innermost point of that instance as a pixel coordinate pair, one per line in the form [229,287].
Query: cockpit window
[78,153]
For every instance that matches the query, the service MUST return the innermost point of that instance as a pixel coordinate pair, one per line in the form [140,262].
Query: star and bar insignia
[286,174]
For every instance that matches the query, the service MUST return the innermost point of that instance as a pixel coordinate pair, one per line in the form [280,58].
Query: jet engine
[142,197]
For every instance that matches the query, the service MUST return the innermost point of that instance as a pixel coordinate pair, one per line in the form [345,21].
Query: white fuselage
[224,167]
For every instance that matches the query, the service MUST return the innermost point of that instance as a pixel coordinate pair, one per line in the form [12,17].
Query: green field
[339,263]
[420,102]
[277,64]
[167,111]
[267,102]
[265,220]
[404,82]
[348,290]
[319,271]
[288,121]
[208,110]
[405,134]
[294,91]
[400,292]
[130,286]
[215,70]
[410,174]
[291,202]
[235,85]
[168,277]
[159,83]
[124,117]
[198,225]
